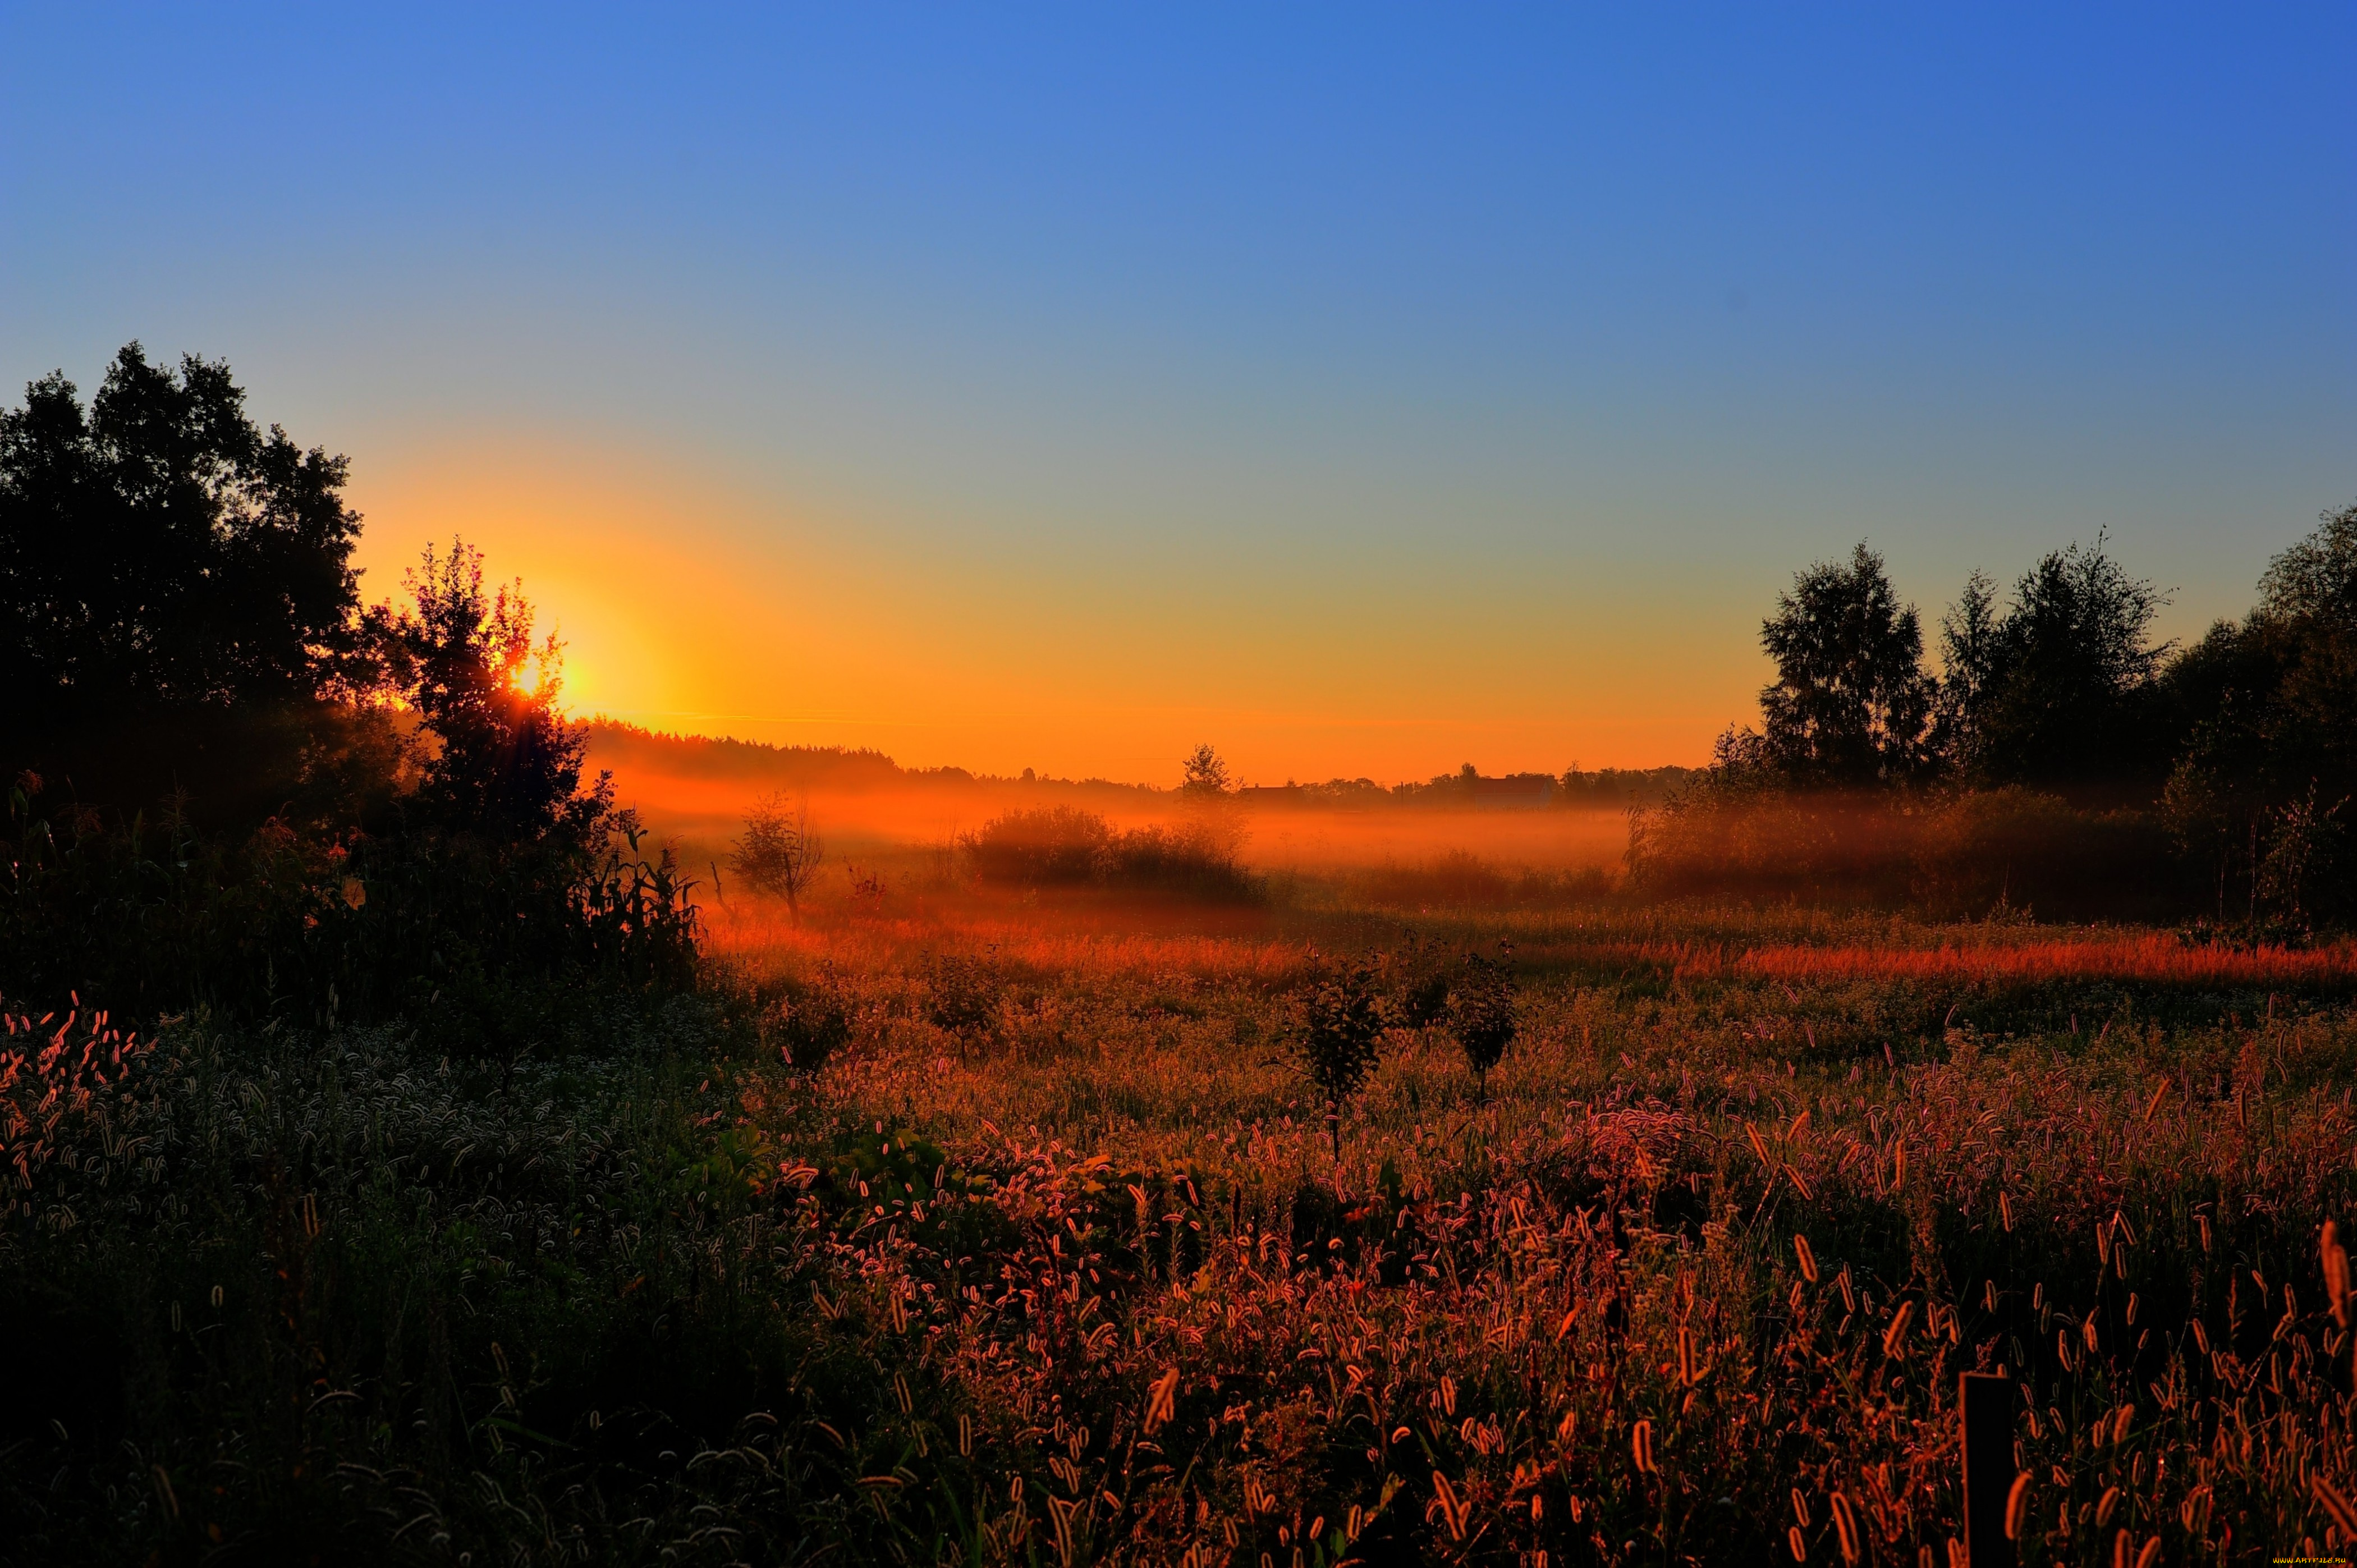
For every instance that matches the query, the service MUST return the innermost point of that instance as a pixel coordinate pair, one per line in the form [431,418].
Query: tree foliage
[2307,623]
[157,551]
[1850,704]
[504,762]
[178,605]
[1482,1009]
[2266,714]
[1204,773]
[2055,688]
[2061,685]
[2243,746]
[1342,1016]
[777,853]
[1215,831]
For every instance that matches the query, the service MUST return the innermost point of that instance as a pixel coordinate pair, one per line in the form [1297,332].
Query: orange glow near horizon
[692,606]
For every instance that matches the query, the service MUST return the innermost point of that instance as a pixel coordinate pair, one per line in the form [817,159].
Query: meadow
[437,1131]
[953,1221]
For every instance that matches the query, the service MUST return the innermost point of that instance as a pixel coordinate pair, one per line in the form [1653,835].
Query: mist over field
[1193,788]
[871,807]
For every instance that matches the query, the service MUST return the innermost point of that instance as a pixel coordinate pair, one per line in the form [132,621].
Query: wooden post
[1986,1403]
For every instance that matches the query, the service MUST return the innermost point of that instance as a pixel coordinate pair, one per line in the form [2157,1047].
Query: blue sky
[1369,388]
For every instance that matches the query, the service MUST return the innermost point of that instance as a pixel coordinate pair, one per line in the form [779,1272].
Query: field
[1569,1310]
[954,1223]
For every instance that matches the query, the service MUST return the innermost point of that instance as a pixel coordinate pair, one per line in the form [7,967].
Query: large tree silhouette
[2059,690]
[158,552]
[1850,704]
[178,605]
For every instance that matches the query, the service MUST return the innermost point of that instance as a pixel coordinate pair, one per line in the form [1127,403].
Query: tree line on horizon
[2241,745]
[182,618]
[185,625]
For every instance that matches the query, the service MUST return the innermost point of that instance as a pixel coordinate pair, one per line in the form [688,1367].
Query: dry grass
[1570,1321]
[1044,1257]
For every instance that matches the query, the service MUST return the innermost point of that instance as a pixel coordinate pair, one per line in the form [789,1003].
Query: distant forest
[185,637]
[2056,746]
[628,749]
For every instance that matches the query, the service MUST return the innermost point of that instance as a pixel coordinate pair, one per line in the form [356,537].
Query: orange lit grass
[757,936]
[2146,958]
[1049,935]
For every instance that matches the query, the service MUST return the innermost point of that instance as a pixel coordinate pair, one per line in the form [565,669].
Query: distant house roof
[1512,794]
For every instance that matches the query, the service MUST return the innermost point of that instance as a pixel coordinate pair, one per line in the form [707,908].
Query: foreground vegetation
[399,1162]
[915,1240]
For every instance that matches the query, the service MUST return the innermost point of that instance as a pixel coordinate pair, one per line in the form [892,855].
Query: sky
[1364,389]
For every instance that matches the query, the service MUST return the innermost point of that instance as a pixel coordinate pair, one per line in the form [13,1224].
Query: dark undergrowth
[961,1257]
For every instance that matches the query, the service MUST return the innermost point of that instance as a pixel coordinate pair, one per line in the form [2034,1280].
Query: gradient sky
[1364,389]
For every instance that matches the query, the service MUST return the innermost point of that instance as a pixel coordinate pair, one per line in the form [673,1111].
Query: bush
[1710,839]
[1960,854]
[2026,850]
[1192,859]
[496,945]
[778,855]
[1062,845]
[1339,1034]
[1481,1010]
[334,1299]
[1049,845]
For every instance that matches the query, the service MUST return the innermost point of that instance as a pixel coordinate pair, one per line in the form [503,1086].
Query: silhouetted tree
[178,605]
[2059,690]
[1215,817]
[1204,773]
[777,853]
[157,551]
[505,762]
[2215,794]
[2304,845]
[2266,715]
[1968,664]
[2307,618]
[1850,704]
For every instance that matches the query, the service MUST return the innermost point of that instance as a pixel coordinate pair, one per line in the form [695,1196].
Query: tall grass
[1508,1294]
[924,1240]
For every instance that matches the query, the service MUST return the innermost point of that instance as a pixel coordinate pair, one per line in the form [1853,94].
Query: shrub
[1063,845]
[1711,839]
[964,996]
[1481,1010]
[797,1021]
[1342,1016]
[288,1285]
[1048,844]
[1454,877]
[2019,848]
[495,944]
[1194,859]
[778,855]
[1962,854]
